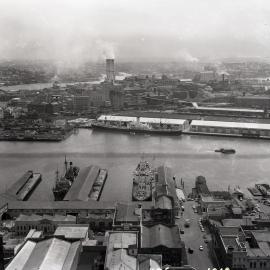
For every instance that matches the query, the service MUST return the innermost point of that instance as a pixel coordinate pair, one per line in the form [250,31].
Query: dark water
[189,156]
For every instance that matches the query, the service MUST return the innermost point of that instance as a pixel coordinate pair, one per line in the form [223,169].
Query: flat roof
[126,212]
[56,218]
[77,231]
[168,121]
[230,124]
[228,109]
[60,205]
[82,185]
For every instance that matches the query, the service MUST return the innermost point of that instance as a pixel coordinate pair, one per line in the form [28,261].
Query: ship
[64,182]
[137,127]
[143,178]
[225,151]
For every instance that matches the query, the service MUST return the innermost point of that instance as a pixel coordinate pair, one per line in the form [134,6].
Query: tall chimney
[110,70]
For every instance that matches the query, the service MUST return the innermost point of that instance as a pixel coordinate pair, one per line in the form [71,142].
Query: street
[193,238]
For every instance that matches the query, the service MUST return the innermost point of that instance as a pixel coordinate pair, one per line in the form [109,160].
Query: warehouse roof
[229,109]
[166,121]
[117,118]
[55,218]
[116,255]
[74,231]
[230,124]
[160,235]
[60,205]
[127,213]
[154,120]
[53,254]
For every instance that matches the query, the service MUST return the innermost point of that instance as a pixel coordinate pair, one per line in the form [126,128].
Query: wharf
[187,132]
[23,188]
[81,188]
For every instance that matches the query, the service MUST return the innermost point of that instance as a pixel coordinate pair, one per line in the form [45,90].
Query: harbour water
[187,155]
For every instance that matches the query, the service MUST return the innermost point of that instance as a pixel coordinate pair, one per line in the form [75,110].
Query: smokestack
[110,70]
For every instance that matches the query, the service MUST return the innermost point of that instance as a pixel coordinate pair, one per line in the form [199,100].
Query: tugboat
[143,177]
[225,151]
[64,182]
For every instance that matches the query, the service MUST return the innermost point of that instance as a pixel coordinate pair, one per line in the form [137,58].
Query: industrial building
[110,70]
[44,254]
[239,129]
[45,223]
[179,124]
[238,112]
[164,240]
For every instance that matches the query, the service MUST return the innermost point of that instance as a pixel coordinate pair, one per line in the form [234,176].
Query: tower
[110,70]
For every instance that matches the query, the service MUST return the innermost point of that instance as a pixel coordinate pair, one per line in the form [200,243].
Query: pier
[22,189]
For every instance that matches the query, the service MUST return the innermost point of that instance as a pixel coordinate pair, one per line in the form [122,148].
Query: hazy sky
[78,30]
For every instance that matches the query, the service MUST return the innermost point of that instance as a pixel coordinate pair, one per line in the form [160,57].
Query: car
[203,230]
[194,206]
[190,250]
[201,248]
[195,211]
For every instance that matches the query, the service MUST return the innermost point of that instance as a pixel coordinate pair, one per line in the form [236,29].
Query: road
[193,238]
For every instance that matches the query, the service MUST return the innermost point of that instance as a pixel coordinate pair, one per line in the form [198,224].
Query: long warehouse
[177,123]
[231,128]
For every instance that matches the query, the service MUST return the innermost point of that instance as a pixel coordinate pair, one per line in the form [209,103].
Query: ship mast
[66,163]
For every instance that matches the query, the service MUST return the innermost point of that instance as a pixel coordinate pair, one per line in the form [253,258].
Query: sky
[133,30]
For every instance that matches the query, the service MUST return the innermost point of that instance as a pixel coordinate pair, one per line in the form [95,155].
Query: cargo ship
[138,125]
[143,178]
[98,185]
[64,182]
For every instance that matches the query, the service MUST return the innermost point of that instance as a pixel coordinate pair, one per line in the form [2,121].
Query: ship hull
[137,131]
[59,195]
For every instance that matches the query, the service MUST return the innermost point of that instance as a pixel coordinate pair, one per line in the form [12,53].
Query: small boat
[225,151]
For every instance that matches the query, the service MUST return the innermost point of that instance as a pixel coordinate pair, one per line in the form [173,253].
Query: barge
[98,185]
[225,151]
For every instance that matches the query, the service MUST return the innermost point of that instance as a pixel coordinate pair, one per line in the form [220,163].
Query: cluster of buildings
[96,234]
[240,232]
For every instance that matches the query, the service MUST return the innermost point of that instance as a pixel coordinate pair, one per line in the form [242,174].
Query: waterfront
[189,156]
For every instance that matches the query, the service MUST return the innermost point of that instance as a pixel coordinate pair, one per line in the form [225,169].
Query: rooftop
[55,218]
[74,231]
[160,235]
[127,213]
[230,124]
[53,254]
[117,256]
[229,109]
[152,120]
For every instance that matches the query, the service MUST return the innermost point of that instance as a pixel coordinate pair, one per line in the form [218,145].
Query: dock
[81,188]
[23,188]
